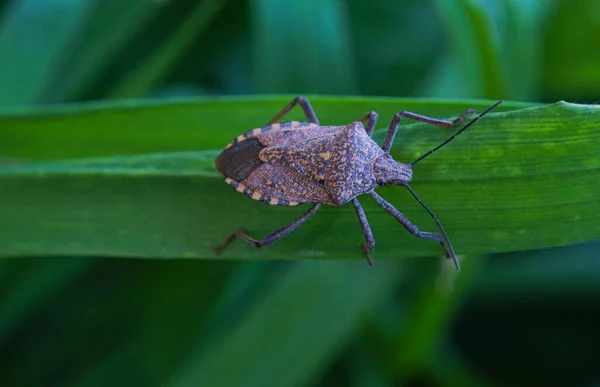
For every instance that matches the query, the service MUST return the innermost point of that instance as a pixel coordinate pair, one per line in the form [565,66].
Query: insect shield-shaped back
[292,163]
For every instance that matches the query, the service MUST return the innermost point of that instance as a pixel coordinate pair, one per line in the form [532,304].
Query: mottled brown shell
[299,162]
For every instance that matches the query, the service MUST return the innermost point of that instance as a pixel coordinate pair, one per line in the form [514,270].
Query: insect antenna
[448,246]
[459,132]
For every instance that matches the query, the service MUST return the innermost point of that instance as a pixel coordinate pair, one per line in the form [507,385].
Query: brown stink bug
[291,163]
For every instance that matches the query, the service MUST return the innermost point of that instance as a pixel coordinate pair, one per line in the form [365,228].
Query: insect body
[293,163]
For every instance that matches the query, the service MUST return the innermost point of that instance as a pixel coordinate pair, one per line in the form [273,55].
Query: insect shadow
[292,163]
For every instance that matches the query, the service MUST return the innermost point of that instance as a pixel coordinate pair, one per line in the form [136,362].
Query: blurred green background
[523,318]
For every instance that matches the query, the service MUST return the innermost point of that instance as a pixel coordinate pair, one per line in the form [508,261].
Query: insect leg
[393,128]
[308,111]
[371,118]
[271,237]
[414,230]
[364,224]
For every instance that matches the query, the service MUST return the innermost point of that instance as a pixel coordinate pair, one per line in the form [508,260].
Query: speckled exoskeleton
[291,163]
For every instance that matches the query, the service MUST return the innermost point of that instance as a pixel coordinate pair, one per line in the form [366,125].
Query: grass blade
[113,26]
[127,127]
[302,46]
[30,58]
[296,329]
[155,68]
[517,180]
[475,49]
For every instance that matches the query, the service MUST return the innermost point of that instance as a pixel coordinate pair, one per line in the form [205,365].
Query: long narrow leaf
[517,180]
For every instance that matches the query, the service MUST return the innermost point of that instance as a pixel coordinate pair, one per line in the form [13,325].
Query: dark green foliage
[132,178]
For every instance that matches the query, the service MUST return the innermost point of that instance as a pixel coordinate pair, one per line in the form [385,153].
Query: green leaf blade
[517,180]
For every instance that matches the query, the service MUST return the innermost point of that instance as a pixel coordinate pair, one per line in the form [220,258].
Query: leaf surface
[521,179]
